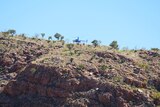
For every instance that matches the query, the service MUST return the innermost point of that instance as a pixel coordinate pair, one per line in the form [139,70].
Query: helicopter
[78,41]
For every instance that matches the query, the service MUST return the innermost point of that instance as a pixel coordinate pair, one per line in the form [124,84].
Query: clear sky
[133,23]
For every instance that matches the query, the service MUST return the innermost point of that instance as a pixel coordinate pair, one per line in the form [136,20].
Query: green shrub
[118,79]
[71,53]
[48,41]
[154,49]
[103,67]
[156,95]
[33,38]
[50,38]
[33,70]
[81,67]
[75,51]
[96,43]
[70,46]
[121,61]
[79,53]
[143,65]
[114,45]
[32,51]
[1,69]
[53,41]
[58,36]
[42,34]
[11,31]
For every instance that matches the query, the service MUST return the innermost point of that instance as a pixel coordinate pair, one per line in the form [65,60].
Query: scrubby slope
[48,74]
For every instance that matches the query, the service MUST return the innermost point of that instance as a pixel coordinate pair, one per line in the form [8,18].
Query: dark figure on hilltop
[78,41]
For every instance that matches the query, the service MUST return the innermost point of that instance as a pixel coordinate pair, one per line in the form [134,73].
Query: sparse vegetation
[118,79]
[154,49]
[71,53]
[1,69]
[77,66]
[70,46]
[81,67]
[156,95]
[75,51]
[23,36]
[79,53]
[33,70]
[103,67]
[143,65]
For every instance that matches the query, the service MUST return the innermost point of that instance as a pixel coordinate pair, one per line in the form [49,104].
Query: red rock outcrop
[68,89]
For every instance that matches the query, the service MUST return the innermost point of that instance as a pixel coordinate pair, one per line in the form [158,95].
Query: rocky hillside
[41,73]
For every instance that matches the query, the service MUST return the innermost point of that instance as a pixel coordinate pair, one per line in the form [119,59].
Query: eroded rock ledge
[46,86]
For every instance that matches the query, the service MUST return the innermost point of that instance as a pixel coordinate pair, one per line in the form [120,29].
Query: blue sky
[133,23]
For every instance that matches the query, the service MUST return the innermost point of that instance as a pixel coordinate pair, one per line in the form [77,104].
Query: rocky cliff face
[49,75]
[41,85]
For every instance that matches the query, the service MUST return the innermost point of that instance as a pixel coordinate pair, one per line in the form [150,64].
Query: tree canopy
[11,31]
[57,36]
[42,34]
[114,45]
[96,43]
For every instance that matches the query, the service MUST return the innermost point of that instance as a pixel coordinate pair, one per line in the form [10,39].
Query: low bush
[70,46]
[33,70]
[81,67]
[103,67]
